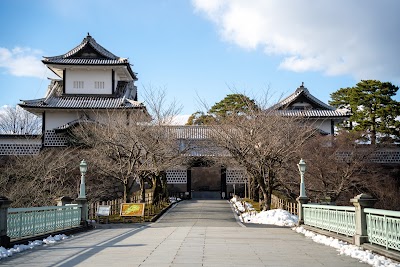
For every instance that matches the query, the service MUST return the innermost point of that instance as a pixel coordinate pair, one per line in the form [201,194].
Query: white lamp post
[82,189]
[302,169]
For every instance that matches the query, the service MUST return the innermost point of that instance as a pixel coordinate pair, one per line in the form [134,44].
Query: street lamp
[302,169]
[83,169]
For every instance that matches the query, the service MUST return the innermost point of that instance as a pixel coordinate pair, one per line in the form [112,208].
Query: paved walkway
[193,233]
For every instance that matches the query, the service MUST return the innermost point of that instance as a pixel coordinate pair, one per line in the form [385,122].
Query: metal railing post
[300,209]
[360,202]
[4,238]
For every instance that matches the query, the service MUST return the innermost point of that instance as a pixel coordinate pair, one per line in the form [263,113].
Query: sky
[201,50]
[275,217]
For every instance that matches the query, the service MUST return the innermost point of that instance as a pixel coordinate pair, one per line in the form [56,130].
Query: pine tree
[233,104]
[373,109]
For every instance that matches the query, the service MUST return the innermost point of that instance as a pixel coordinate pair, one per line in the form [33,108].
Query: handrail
[14,210]
[329,207]
[391,213]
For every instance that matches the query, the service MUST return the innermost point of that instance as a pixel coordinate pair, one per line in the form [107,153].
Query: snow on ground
[347,249]
[284,218]
[174,199]
[4,253]
[276,217]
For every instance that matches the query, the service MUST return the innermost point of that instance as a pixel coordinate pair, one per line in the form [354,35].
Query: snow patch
[4,253]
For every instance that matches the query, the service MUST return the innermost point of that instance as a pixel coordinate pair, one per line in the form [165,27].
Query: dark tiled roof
[86,61]
[312,113]
[301,90]
[74,122]
[82,102]
[101,55]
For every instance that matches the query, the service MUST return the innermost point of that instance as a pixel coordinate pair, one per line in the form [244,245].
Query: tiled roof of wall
[82,102]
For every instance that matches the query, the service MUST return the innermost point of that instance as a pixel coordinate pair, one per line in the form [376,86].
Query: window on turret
[98,85]
[301,106]
[78,84]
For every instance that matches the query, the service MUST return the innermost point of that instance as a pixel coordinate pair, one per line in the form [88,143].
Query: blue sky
[206,49]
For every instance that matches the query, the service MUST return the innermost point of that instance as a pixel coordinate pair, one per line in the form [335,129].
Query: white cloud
[335,37]
[22,61]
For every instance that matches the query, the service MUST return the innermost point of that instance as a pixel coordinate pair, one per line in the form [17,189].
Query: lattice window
[98,85]
[386,157]
[176,176]
[236,176]
[20,149]
[78,84]
[51,138]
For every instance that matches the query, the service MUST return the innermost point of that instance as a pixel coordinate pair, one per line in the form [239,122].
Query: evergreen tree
[199,118]
[232,104]
[373,109]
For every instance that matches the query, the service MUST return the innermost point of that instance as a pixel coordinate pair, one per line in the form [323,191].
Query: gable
[88,52]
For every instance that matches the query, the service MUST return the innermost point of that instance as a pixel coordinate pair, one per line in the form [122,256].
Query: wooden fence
[279,203]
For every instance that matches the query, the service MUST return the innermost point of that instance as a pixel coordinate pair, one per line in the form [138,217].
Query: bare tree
[162,153]
[38,180]
[114,147]
[15,120]
[129,147]
[161,110]
[263,142]
[338,168]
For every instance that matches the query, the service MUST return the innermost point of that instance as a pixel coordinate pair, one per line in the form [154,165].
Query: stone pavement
[193,233]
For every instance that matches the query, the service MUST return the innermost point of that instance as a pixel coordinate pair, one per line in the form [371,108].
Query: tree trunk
[126,193]
[157,188]
[254,189]
[142,191]
[263,189]
[373,131]
[265,205]
[268,192]
[268,198]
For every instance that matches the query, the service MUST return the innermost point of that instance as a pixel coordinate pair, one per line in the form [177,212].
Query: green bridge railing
[363,224]
[337,219]
[383,228]
[30,222]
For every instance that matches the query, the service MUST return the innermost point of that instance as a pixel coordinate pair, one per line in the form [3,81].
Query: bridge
[202,232]
[193,233]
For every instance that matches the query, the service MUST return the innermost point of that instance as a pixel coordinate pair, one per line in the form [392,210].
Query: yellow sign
[132,209]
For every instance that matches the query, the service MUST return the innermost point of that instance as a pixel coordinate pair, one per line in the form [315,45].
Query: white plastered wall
[322,124]
[55,119]
[89,78]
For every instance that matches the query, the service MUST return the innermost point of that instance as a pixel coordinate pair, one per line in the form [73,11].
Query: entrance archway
[206,182]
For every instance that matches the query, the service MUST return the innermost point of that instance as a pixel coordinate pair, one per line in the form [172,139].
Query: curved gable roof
[301,92]
[88,52]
